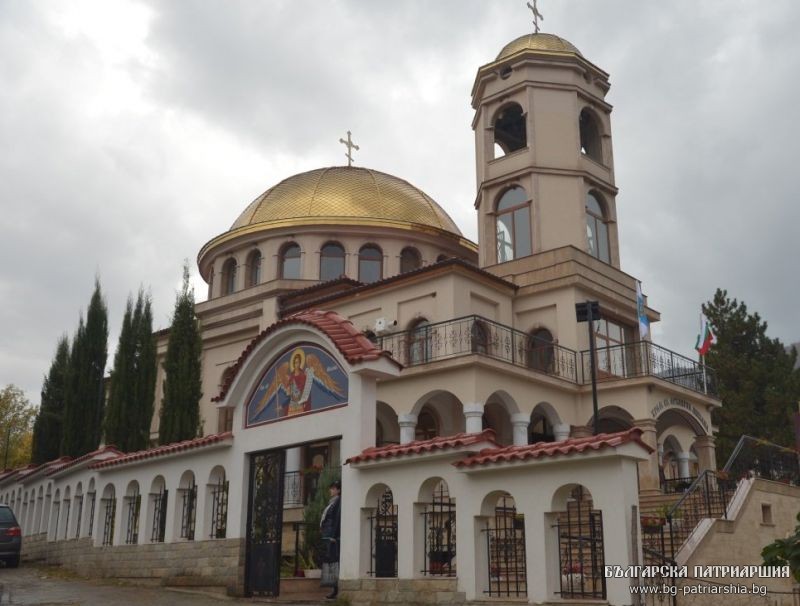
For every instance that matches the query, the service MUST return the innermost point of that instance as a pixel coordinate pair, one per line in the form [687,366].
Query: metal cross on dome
[536,16]
[350,147]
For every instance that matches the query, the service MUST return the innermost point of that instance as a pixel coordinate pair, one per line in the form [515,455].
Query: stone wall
[191,563]
[405,592]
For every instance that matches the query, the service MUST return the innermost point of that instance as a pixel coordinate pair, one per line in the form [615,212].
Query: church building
[350,328]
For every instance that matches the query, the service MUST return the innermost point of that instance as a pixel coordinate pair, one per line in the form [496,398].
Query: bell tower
[545,167]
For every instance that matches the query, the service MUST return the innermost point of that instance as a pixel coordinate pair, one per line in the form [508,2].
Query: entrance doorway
[285,500]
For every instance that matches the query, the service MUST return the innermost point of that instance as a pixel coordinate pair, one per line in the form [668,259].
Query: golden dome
[345,195]
[548,43]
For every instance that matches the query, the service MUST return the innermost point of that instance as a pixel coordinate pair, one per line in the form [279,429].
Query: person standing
[330,530]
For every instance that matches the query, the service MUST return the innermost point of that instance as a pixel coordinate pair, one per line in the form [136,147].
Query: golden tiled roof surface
[346,192]
[538,42]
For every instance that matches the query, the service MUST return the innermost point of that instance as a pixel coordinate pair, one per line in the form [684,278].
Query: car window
[6,515]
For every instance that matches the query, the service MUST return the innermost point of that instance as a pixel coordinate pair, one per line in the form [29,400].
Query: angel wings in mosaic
[296,383]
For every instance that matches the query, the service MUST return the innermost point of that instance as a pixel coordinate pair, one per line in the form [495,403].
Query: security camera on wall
[382,325]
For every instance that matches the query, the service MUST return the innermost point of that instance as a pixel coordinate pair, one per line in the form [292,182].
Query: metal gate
[439,544]
[265,523]
[505,546]
[580,549]
[383,531]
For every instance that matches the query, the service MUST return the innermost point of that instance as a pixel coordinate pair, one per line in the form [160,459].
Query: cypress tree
[180,407]
[48,426]
[85,398]
[132,386]
[146,373]
[121,392]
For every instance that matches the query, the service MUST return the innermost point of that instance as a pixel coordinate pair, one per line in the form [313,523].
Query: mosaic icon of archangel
[302,380]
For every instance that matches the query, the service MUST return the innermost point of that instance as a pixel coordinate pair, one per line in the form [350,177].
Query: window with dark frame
[513,225]
[370,264]
[597,243]
[254,268]
[290,262]
[331,261]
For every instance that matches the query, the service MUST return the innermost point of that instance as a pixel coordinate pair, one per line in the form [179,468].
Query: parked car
[10,537]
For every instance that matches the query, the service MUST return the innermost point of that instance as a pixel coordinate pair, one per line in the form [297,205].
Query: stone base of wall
[218,562]
[408,592]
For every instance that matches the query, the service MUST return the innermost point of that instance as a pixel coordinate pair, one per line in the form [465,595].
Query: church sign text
[667,403]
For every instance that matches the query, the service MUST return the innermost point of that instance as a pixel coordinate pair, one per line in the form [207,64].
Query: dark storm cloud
[229,97]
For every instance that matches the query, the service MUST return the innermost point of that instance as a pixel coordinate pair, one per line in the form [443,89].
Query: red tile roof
[288,306]
[554,449]
[423,446]
[350,341]
[167,449]
[56,468]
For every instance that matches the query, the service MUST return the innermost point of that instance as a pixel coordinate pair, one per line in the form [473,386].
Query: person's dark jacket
[330,528]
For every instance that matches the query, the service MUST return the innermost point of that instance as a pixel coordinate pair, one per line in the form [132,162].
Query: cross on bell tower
[350,147]
[536,16]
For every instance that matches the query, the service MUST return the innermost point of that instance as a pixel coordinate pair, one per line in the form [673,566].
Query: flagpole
[705,382]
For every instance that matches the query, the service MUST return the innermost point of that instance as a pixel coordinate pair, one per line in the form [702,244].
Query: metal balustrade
[480,336]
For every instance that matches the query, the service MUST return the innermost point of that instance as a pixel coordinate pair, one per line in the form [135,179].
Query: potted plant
[312,514]
[652,523]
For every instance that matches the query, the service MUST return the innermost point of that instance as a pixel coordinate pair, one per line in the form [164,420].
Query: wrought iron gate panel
[159,528]
[581,552]
[189,512]
[219,510]
[80,513]
[108,522]
[383,537]
[91,513]
[265,523]
[505,545]
[134,505]
[439,537]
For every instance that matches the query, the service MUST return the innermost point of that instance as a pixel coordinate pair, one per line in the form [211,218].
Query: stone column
[561,432]
[520,422]
[649,479]
[408,427]
[706,452]
[683,465]
[293,482]
[473,413]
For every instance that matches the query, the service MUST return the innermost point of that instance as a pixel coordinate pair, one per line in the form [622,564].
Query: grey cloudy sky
[132,132]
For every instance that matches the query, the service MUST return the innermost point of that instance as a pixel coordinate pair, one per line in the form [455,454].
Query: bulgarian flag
[706,338]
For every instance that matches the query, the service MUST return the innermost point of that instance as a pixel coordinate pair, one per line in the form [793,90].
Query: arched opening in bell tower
[591,141]
[510,133]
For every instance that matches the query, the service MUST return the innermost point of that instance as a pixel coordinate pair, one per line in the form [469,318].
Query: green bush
[312,514]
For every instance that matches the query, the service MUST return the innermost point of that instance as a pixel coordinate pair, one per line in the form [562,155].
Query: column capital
[407,420]
[520,418]
[683,456]
[704,441]
[474,409]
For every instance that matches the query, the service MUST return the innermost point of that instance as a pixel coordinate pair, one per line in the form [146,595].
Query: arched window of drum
[370,264]
[427,426]
[229,277]
[513,225]
[479,337]
[540,350]
[410,260]
[254,268]
[509,130]
[596,229]
[290,262]
[591,143]
[331,261]
[419,342]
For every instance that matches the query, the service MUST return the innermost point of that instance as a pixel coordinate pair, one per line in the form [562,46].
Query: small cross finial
[350,147]
[536,16]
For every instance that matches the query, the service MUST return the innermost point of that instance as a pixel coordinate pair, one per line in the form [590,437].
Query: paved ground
[52,587]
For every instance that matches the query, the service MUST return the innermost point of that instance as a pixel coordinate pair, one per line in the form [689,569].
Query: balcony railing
[478,335]
[642,359]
